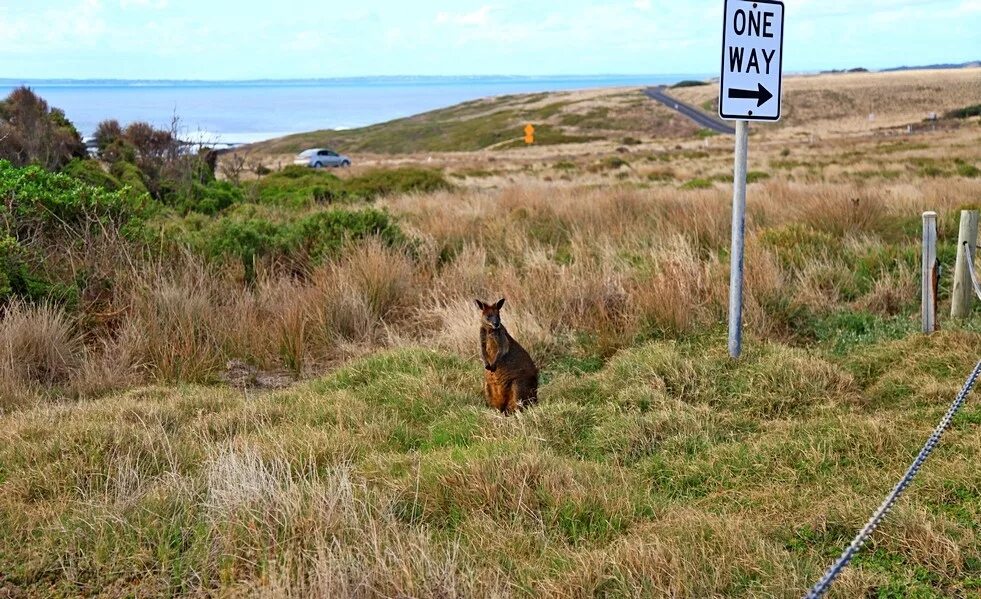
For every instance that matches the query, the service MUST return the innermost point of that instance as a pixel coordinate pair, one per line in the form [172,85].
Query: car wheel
[346,164]
[318,165]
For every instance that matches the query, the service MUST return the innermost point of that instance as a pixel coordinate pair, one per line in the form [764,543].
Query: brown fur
[510,375]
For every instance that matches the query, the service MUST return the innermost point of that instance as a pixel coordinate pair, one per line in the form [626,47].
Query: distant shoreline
[340,81]
[253,111]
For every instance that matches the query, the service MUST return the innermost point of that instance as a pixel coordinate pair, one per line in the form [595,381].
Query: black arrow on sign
[762,95]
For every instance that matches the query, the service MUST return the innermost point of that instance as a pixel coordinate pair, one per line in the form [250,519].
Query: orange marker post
[529,134]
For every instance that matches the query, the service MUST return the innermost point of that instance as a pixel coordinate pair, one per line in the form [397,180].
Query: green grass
[665,467]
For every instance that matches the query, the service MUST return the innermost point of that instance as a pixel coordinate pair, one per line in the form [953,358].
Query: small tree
[34,133]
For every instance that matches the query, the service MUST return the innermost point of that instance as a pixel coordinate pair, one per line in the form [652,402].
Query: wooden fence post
[963,293]
[929,272]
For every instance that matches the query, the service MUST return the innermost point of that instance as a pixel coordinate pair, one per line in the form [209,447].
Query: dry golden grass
[841,103]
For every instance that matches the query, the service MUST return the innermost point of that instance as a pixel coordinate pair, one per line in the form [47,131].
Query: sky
[286,39]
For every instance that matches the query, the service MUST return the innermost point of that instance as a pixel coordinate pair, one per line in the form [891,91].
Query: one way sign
[752,61]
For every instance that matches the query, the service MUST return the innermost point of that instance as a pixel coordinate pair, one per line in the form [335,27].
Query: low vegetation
[273,388]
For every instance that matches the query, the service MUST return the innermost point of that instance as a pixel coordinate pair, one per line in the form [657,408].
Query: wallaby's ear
[500,304]
[480,305]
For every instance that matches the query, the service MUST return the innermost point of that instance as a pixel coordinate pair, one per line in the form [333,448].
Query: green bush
[300,186]
[42,214]
[249,233]
[966,112]
[965,169]
[10,265]
[382,182]
[698,183]
[38,197]
[209,198]
[689,83]
[130,177]
[91,173]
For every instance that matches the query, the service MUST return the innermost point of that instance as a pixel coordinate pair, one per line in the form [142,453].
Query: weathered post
[738,241]
[929,272]
[963,293]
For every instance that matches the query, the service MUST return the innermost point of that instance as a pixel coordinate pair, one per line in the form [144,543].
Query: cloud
[969,7]
[81,23]
[477,18]
[157,4]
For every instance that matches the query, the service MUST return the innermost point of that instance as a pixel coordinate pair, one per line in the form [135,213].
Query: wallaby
[510,377]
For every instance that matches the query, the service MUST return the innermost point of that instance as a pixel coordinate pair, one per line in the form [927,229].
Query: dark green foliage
[11,267]
[129,177]
[251,233]
[34,197]
[298,186]
[209,198]
[92,173]
[378,183]
[42,216]
[966,112]
[698,183]
[689,83]
[966,169]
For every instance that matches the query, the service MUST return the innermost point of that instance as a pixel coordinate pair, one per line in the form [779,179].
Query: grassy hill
[838,104]
[563,117]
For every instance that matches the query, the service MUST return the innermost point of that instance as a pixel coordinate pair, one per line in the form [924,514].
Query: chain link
[829,577]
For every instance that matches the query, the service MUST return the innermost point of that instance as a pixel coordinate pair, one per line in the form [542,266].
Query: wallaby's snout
[490,314]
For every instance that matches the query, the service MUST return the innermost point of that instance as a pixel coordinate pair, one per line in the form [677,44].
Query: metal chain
[829,577]
[970,268]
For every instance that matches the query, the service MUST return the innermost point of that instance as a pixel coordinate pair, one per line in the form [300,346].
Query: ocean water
[247,111]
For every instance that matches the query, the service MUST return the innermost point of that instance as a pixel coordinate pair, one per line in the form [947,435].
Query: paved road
[657,94]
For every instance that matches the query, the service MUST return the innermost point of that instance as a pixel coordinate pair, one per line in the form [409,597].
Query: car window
[324,153]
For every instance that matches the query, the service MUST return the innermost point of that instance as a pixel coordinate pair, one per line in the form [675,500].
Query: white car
[320,158]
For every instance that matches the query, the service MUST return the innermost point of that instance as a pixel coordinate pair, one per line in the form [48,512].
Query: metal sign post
[738,240]
[751,88]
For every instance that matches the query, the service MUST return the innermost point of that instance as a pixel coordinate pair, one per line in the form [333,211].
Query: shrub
[92,173]
[34,133]
[130,178]
[209,199]
[966,112]
[697,183]
[383,182]
[965,169]
[298,186]
[689,83]
[45,216]
[251,233]
[37,197]
[610,163]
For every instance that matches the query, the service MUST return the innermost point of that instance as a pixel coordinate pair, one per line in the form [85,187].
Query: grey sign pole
[738,241]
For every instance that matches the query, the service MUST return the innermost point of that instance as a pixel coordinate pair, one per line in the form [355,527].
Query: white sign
[752,60]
